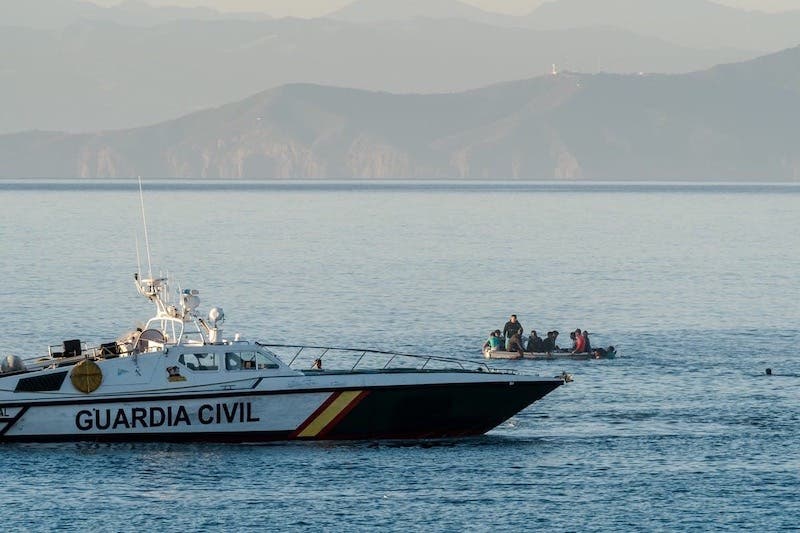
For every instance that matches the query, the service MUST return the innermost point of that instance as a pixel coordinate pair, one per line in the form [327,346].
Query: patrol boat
[178,379]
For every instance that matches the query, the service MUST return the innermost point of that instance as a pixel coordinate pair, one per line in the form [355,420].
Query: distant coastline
[389,185]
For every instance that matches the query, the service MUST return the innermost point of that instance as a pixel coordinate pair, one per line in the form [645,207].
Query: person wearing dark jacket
[512,327]
[549,344]
[534,342]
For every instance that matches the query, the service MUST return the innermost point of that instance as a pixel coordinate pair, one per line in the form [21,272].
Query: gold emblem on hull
[86,376]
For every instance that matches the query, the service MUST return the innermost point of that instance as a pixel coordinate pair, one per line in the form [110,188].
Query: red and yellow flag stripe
[327,415]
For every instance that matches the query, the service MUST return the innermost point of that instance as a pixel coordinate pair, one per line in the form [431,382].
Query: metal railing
[364,357]
[57,355]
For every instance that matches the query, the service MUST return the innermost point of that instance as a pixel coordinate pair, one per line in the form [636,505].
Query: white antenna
[138,258]
[146,237]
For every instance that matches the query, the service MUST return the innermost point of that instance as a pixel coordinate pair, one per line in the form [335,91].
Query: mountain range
[370,11]
[731,122]
[702,24]
[56,14]
[74,66]
[100,75]
[689,23]
[692,23]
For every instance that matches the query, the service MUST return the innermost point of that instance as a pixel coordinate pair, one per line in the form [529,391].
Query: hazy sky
[312,8]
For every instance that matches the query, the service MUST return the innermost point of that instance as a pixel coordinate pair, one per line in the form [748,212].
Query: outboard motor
[11,363]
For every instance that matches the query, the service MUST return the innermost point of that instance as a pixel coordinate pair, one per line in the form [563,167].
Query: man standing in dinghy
[513,334]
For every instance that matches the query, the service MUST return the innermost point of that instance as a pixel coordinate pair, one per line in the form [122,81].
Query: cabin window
[248,361]
[199,361]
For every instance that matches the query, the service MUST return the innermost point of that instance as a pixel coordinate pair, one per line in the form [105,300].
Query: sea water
[695,284]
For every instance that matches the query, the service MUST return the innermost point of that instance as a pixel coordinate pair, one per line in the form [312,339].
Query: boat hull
[501,354]
[431,410]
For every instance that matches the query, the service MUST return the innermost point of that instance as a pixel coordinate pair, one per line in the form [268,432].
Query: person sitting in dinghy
[580,342]
[587,346]
[549,345]
[535,342]
[515,344]
[600,353]
[494,342]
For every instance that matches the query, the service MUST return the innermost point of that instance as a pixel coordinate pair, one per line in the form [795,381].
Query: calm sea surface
[697,285]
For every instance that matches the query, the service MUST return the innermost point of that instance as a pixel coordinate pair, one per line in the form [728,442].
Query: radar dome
[216,314]
[190,302]
[11,363]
